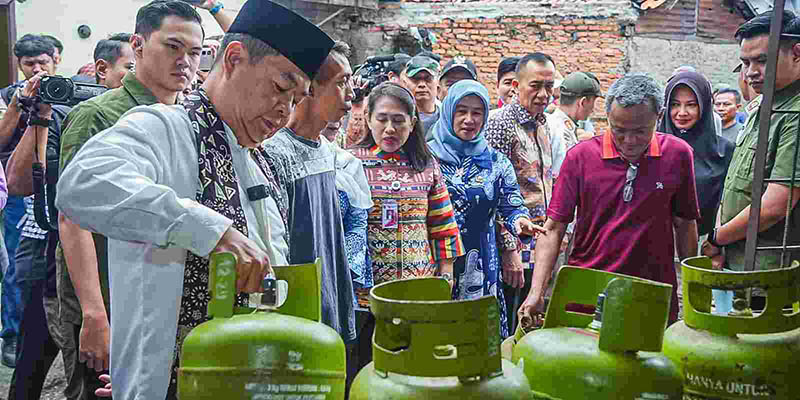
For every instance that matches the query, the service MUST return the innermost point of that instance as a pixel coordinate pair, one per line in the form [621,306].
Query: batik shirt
[525,140]
[426,229]
[355,242]
[481,196]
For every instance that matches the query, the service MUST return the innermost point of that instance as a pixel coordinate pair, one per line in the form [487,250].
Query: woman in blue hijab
[482,184]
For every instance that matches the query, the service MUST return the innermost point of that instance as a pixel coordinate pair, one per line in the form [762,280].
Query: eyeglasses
[627,192]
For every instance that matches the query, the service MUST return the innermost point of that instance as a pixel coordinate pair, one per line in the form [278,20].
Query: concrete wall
[660,57]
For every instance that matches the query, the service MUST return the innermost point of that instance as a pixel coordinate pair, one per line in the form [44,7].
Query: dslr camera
[374,71]
[64,91]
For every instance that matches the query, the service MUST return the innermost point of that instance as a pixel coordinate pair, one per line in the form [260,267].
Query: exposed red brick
[600,48]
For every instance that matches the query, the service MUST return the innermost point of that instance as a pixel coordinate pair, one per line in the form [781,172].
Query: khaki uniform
[737,193]
[563,135]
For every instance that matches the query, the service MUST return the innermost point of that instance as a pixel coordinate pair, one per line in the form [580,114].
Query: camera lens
[57,89]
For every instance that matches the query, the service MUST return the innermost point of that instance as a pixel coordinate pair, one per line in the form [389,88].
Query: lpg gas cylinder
[426,346]
[273,351]
[613,356]
[742,356]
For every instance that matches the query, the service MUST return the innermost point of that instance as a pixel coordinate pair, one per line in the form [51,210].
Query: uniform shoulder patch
[569,124]
[754,104]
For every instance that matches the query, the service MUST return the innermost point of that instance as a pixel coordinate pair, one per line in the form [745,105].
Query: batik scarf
[218,189]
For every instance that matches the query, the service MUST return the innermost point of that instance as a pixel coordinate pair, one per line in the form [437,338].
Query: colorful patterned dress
[426,229]
[478,195]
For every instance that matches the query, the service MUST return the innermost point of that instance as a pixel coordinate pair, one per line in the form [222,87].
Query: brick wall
[583,35]
[576,44]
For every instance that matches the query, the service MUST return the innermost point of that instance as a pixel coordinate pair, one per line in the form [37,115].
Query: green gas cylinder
[614,355]
[426,346]
[737,357]
[264,352]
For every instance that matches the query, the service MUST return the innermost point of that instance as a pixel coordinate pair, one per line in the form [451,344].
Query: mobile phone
[206,59]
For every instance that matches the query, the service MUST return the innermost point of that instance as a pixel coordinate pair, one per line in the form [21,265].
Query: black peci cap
[296,38]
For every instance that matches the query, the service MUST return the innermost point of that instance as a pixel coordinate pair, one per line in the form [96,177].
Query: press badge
[389,215]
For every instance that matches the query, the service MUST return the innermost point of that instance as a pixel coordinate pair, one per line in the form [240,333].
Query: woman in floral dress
[483,189]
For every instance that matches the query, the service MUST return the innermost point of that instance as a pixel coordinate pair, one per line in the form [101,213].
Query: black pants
[36,349]
[515,297]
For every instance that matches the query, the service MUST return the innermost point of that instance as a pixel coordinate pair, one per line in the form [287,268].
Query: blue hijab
[444,143]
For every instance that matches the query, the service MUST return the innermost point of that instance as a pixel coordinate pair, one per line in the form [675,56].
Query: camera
[60,90]
[374,71]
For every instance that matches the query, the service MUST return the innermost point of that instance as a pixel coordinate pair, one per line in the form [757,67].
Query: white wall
[61,19]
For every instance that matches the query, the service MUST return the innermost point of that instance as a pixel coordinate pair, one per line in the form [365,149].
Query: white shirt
[136,184]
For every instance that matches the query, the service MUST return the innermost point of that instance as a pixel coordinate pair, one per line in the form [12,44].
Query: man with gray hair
[632,187]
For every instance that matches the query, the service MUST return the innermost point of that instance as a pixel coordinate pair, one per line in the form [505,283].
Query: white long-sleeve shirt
[136,184]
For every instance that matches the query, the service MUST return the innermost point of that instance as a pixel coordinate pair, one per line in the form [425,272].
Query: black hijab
[712,153]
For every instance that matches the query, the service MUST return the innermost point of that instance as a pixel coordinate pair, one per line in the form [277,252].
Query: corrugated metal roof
[706,20]
[716,21]
[673,20]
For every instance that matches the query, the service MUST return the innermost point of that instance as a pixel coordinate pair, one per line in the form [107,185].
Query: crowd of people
[277,153]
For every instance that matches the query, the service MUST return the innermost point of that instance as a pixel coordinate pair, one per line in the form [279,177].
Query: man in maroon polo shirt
[633,189]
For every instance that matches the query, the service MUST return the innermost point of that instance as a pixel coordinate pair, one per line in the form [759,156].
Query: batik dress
[425,231]
[355,242]
[482,192]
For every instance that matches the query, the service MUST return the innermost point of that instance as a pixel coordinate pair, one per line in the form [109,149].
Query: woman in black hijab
[690,116]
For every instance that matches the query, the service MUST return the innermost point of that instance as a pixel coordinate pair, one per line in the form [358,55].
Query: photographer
[370,74]
[396,68]
[35,266]
[41,329]
[34,54]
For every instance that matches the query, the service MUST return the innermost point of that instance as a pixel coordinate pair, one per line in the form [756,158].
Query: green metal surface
[635,318]
[427,346]
[415,317]
[567,363]
[735,357]
[782,287]
[620,360]
[376,385]
[275,354]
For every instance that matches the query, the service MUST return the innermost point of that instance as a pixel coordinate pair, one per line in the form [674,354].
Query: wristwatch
[35,120]
[712,238]
[446,276]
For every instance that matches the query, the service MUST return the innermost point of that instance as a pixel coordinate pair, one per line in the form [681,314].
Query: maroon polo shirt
[633,238]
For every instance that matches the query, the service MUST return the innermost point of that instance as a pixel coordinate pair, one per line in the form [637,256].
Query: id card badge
[389,215]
